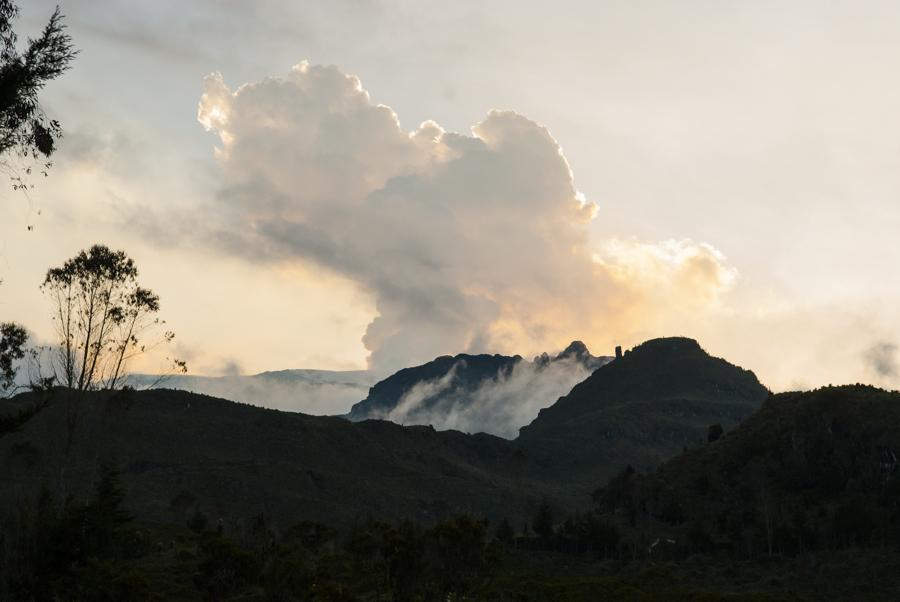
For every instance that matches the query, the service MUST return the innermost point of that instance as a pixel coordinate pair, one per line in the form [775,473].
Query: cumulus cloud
[466,242]
[697,272]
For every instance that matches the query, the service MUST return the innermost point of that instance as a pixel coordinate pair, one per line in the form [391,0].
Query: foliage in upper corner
[26,132]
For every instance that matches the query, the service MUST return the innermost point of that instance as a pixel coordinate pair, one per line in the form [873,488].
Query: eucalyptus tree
[103,318]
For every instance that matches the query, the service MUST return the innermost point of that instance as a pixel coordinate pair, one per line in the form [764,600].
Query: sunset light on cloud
[493,226]
[478,240]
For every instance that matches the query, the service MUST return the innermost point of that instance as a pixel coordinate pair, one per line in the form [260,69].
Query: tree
[105,516]
[102,316]
[602,536]
[12,349]
[25,130]
[77,552]
[403,548]
[370,554]
[617,493]
[459,554]
[543,521]
[504,532]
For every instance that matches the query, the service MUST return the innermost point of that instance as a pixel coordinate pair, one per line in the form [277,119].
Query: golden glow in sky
[727,172]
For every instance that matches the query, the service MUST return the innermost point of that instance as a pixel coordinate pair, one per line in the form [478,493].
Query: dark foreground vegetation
[800,502]
[95,550]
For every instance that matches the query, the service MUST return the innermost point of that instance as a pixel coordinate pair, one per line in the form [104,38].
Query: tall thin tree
[102,317]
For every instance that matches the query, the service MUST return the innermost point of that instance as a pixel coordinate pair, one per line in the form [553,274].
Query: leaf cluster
[25,129]
[12,349]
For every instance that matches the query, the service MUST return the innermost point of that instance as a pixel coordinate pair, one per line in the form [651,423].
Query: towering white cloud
[466,242]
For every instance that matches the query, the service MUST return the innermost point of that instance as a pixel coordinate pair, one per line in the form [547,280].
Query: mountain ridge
[661,394]
[477,390]
[321,392]
[236,459]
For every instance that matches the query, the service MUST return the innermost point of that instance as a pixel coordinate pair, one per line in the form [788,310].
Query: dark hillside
[808,471]
[178,451]
[660,369]
[640,409]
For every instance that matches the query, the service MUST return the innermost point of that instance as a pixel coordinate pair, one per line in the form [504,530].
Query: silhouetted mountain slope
[490,393]
[465,372]
[179,450]
[576,351]
[810,470]
[320,392]
[640,409]
[230,459]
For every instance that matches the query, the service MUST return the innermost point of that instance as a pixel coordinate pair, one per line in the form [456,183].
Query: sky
[369,183]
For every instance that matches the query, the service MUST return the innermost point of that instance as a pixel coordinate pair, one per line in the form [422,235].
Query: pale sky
[744,158]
